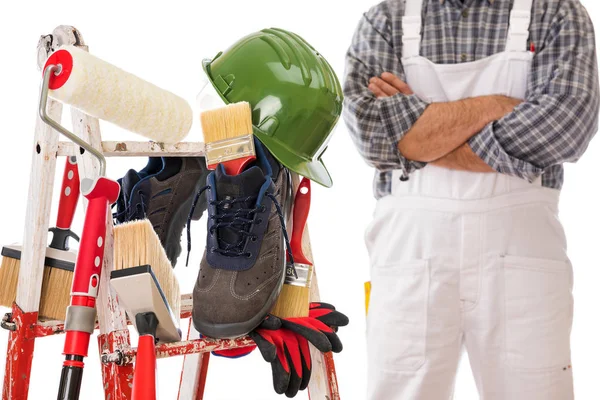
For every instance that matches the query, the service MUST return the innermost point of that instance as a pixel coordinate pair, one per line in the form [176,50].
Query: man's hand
[388,85]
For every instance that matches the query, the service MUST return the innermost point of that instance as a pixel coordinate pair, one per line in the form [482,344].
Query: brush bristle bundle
[137,244]
[56,289]
[231,121]
[292,302]
[9,279]
[56,294]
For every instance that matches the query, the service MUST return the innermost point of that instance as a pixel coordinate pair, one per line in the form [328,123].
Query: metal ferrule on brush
[229,149]
[304,271]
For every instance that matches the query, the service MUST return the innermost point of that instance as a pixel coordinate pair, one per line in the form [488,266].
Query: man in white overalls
[468,109]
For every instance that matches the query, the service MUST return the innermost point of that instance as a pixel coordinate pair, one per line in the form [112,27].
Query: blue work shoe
[243,267]
[165,198]
[131,178]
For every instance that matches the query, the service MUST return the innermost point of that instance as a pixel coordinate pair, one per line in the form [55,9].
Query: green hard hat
[295,96]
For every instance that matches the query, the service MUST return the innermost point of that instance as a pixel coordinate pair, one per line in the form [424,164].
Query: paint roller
[107,92]
[99,89]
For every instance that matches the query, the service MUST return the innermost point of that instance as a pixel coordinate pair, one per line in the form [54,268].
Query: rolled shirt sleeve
[377,125]
[559,116]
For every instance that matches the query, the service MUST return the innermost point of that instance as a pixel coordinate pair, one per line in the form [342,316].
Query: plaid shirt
[555,123]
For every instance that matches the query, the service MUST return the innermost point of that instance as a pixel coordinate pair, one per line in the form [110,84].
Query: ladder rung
[204,345]
[139,149]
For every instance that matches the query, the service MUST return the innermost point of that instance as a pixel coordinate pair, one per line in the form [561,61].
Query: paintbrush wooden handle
[301,210]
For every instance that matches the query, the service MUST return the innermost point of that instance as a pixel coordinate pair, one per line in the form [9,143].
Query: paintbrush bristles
[231,121]
[137,244]
[9,279]
[56,289]
[56,293]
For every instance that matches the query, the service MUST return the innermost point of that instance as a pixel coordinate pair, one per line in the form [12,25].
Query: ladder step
[183,348]
[139,149]
[204,345]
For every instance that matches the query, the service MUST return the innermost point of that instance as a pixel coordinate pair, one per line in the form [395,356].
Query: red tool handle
[301,209]
[86,281]
[144,377]
[91,247]
[69,195]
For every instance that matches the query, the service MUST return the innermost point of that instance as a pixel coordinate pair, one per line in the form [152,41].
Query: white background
[165,42]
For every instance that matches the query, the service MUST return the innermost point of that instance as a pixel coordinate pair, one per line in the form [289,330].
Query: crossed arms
[394,129]
[439,136]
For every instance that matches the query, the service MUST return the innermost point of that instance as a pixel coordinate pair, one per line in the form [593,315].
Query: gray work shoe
[165,198]
[243,268]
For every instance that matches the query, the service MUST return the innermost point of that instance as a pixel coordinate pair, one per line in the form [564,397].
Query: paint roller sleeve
[109,93]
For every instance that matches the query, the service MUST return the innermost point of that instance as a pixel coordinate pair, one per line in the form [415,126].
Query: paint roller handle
[100,193]
[81,314]
[67,204]
[301,210]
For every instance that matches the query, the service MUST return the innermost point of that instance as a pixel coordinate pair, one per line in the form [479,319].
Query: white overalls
[473,259]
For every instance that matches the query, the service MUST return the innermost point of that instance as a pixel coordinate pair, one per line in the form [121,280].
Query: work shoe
[131,178]
[243,267]
[165,198]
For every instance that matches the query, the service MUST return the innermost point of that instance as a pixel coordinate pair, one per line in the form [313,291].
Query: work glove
[292,364]
[284,344]
[289,356]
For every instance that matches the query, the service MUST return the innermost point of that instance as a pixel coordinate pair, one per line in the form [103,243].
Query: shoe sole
[238,329]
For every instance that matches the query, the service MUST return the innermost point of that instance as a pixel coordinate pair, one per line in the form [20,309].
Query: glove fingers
[281,377]
[271,323]
[265,345]
[336,343]
[292,349]
[333,319]
[316,337]
[306,363]
[295,380]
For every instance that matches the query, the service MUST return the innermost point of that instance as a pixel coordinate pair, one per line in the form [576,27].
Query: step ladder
[116,353]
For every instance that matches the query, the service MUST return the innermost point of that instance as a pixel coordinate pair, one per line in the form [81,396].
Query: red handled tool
[144,378]
[295,294]
[301,210]
[81,314]
[69,195]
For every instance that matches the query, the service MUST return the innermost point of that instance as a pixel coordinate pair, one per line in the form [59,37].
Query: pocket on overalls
[397,320]
[538,312]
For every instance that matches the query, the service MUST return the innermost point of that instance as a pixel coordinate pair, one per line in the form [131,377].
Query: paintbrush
[228,137]
[294,298]
[59,262]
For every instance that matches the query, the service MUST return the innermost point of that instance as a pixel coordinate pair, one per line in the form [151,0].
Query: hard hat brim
[314,170]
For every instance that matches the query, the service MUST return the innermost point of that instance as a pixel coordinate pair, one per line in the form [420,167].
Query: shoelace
[133,214]
[239,220]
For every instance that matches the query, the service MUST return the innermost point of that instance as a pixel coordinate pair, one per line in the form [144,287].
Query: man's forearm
[444,127]
[463,159]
